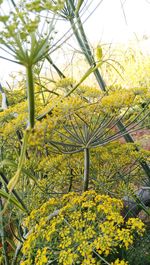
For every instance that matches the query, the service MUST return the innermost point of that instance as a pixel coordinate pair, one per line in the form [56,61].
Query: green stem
[30,92]
[89,55]
[86,169]
[83,43]
[4,243]
[55,67]
[2,230]
[71,180]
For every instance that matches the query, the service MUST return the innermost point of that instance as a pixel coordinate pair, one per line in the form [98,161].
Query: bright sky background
[110,23]
[115,24]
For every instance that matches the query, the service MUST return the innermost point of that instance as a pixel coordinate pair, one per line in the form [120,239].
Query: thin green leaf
[115,69]
[86,75]
[10,163]
[12,183]
[12,199]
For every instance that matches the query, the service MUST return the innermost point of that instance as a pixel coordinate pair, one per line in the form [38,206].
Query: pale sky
[115,24]
[108,24]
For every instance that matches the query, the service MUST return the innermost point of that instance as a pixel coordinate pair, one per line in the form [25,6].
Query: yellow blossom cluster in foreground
[79,229]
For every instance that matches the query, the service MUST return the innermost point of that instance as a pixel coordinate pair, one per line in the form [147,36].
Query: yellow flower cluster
[136,224]
[115,157]
[41,257]
[114,102]
[91,93]
[64,83]
[13,118]
[119,262]
[78,229]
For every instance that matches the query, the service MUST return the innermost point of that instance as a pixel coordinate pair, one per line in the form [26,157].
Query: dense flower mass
[79,229]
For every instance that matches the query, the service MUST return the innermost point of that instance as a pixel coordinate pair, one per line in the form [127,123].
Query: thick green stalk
[30,92]
[86,169]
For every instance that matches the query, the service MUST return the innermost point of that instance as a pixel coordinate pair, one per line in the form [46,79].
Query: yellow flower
[136,224]
[85,223]
[119,262]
